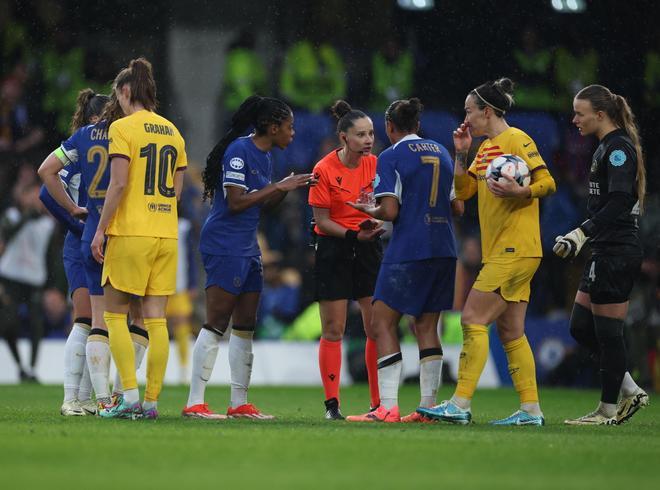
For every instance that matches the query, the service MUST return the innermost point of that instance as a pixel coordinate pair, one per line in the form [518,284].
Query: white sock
[149,405]
[607,409]
[240,366]
[204,355]
[531,408]
[98,361]
[388,379]
[429,380]
[460,402]
[628,386]
[131,396]
[85,389]
[140,350]
[74,360]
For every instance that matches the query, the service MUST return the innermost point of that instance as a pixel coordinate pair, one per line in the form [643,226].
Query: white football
[511,165]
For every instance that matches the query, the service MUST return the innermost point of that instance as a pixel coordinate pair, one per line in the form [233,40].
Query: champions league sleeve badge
[617,158]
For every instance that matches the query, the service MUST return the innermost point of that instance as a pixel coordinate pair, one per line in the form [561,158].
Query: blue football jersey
[87,152]
[419,173]
[245,166]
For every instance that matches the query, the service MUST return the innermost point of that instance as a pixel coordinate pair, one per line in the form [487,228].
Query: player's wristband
[351,236]
[588,227]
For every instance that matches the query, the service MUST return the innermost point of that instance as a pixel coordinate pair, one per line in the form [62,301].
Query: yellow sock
[157,355]
[122,349]
[522,369]
[182,336]
[473,359]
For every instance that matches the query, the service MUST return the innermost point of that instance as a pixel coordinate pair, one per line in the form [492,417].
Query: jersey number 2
[166,162]
[102,152]
[435,161]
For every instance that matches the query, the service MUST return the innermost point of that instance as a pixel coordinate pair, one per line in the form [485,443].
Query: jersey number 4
[435,161]
[165,159]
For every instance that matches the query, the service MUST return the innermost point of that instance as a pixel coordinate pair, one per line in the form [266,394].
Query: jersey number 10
[166,162]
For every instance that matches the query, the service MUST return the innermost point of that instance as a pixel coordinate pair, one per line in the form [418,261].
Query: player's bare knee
[508,332]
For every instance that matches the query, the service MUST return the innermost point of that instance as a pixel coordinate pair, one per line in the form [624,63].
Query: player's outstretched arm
[238,199]
[387,208]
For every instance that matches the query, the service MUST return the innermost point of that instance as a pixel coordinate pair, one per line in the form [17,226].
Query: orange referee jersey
[338,184]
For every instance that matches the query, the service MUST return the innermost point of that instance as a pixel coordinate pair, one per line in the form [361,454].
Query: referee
[617,183]
[348,250]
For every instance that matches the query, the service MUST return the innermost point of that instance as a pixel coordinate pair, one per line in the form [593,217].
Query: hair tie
[488,103]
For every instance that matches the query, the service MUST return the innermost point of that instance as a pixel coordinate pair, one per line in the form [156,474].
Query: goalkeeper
[617,184]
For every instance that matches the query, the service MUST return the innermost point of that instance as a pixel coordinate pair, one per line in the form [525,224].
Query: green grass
[41,449]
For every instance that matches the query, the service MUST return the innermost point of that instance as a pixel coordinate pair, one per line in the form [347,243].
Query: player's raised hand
[293,181]
[366,207]
[462,138]
[570,244]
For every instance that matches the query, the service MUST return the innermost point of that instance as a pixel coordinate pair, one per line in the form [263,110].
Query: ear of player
[569,245]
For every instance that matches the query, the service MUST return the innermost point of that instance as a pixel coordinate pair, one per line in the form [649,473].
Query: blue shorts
[235,275]
[73,263]
[419,286]
[92,269]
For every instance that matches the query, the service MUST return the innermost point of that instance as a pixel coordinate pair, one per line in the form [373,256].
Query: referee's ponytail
[618,110]
[256,111]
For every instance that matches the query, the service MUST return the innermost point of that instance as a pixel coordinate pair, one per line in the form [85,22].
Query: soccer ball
[511,165]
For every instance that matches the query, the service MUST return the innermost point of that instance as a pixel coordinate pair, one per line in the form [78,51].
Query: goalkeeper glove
[570,244]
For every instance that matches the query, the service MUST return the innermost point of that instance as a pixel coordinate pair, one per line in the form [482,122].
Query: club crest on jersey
[236,163]
[617,158]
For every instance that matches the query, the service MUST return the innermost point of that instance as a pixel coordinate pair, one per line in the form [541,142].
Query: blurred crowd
[42,69]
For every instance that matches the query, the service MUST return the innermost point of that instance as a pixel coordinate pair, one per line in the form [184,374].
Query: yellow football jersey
[509,227]
[155,150]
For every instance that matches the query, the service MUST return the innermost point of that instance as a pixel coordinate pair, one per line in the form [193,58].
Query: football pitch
[41,449]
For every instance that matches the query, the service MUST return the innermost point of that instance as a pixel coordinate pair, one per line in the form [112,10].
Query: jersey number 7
[435,161]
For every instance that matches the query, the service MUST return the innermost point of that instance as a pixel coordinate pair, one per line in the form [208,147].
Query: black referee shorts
[345,270]
[609,279]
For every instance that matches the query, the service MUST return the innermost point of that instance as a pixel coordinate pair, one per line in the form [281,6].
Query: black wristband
[351,236]
[588,227]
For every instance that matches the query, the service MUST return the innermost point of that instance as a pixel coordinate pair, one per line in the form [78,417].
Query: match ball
[511,165]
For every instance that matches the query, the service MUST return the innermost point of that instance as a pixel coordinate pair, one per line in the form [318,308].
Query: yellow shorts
[141,265]
[512,277]
[179,304]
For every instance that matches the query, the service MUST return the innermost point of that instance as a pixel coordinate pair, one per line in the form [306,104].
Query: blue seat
[436,125]
[542,127]
[311,130]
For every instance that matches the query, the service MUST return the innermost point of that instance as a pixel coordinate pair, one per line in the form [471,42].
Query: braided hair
[257,111]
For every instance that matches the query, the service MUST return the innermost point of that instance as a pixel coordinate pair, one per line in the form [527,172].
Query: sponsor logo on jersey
[617,158]
[594,166]
[236,163]
[594,188]
[235,176]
